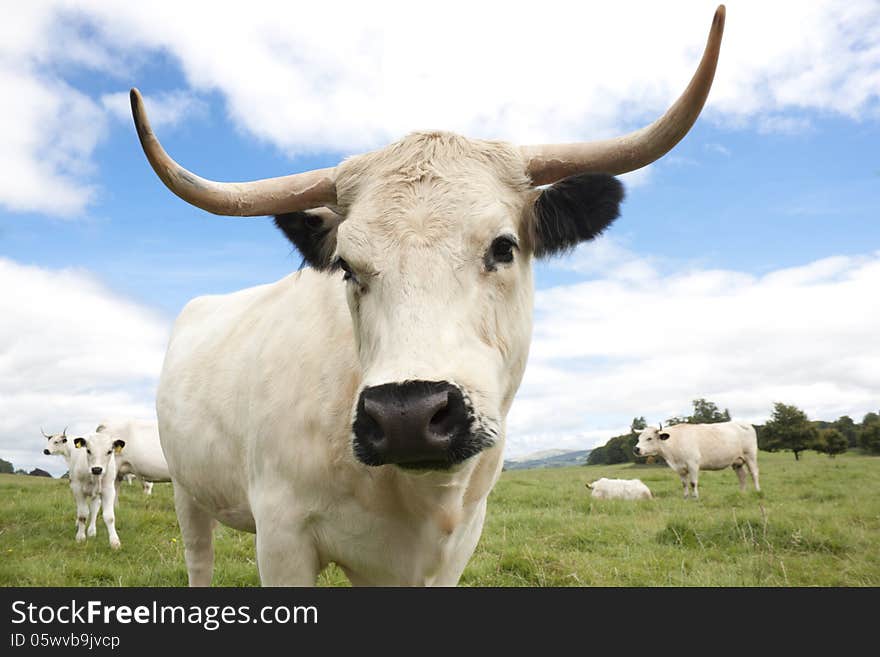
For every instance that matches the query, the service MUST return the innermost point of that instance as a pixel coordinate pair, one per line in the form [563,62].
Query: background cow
[142,456]
[619,489]
[92,471]
[689,448]
[130,479]
[355,411]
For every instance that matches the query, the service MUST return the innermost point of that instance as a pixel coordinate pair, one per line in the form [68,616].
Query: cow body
[689,448]
[355,412]
[619,489]
[142,455]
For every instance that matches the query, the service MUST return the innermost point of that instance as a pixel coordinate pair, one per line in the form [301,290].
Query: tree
[831,442]
[845,425]
[638,424]
[869,437]
[788,429]
[6,467]
[706,412]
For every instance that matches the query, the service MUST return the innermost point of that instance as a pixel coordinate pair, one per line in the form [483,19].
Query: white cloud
[71,352]
[321,76]
[621,345]
[48,131]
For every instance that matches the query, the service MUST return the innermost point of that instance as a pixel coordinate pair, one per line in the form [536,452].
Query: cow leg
[752,464]
[82,515]
[117,484]
[148,487]
[197,529]
[693,474]
[741,473]
[286,556]
[94,505]
[683,475]
[109,501]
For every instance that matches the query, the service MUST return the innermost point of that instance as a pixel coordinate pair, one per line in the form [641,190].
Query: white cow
[92,471]
[354,412]
[689,448]
[130,479]
[142,456]
[619,489]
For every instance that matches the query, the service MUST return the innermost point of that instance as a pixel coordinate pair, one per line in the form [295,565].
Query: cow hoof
[80,539]
[91,533]
[115,544]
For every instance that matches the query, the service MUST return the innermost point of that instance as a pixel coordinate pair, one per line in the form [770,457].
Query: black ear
[664,436]
[313,233]
[79,442]
[574,210]
[118,445]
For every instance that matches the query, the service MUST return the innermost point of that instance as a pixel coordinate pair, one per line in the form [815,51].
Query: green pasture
[816,523]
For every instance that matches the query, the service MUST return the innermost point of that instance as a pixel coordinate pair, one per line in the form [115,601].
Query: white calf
[92,471]
[620,489]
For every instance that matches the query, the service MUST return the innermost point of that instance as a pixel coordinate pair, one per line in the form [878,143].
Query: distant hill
[550,458]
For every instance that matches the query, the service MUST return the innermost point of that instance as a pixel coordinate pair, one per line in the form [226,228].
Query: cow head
[58,445]
[100,448]
[433,238]
[651,439]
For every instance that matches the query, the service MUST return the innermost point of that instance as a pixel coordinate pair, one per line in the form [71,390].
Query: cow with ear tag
[355,411]
[93,482]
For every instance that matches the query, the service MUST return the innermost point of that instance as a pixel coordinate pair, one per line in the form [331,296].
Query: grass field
[817,523]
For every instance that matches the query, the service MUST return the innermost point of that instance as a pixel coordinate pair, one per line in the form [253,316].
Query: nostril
[46,451]
[96,471]
[438,421]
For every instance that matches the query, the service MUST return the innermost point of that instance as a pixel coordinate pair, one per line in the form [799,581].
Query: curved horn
[661,426]
[64,433]
[551,162]
[45,435]
[300,191]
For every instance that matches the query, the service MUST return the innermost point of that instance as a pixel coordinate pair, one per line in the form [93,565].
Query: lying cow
[619,489]
[142,456]
[91,467]
[355,411]
[689,448]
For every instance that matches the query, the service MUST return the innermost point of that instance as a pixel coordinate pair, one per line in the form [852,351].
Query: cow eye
[64,440]
[110,452]
[502,249]
[340,263]
[88,450]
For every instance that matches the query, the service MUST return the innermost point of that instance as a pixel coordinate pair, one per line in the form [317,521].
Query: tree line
[788,429]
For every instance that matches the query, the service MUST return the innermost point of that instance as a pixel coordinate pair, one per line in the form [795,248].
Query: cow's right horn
[300,191]
[547,163]
[45,435]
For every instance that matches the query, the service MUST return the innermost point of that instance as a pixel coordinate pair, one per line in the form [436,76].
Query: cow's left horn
[548,163]
[301,191]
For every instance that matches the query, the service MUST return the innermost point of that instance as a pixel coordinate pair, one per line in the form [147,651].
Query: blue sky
[716,281]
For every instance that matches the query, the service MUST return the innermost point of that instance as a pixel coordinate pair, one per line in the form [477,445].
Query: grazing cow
[354,412]
[142,456]
[92,471]
[689,448]
[619,489]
